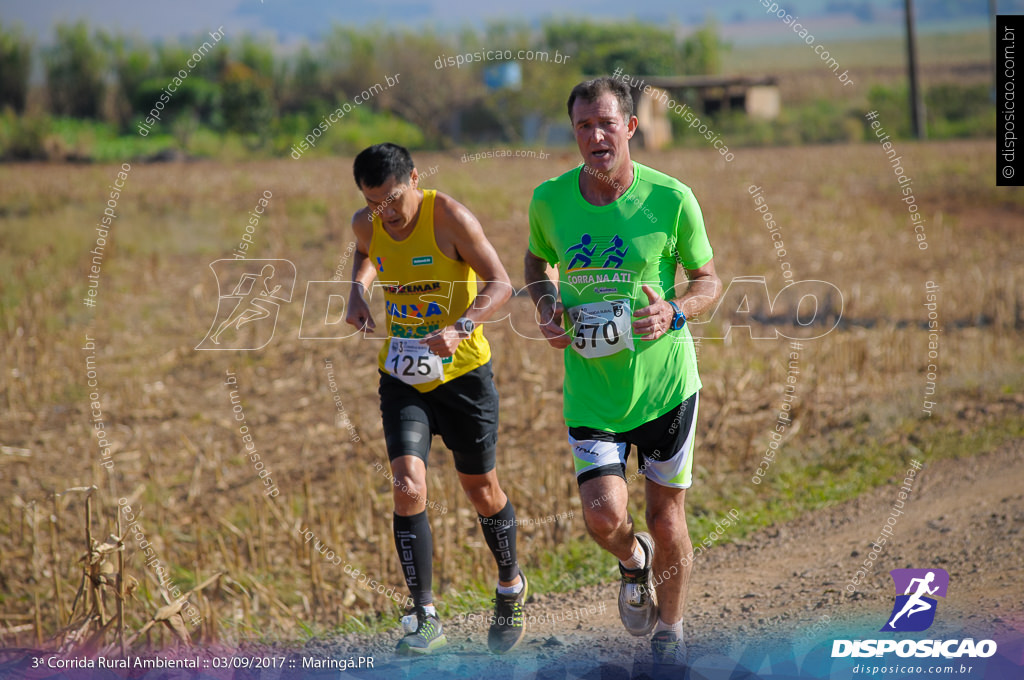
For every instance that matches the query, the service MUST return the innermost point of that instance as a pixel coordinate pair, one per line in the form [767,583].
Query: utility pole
[916,105]
[992,38]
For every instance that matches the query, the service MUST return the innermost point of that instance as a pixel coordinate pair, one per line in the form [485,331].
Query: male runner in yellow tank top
[441,278]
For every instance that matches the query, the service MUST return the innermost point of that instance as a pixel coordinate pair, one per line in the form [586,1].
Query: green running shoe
[423,634]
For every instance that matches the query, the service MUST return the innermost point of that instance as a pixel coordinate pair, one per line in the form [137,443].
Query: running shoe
[638,606]
[508,624]
[423,633]
[668,649]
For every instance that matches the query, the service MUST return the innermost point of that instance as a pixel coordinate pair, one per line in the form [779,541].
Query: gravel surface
[785,584]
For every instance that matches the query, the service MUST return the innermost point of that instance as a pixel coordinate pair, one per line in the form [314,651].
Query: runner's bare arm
[458,231]
[363,273]
[541,281]
[458,226]
[702,290]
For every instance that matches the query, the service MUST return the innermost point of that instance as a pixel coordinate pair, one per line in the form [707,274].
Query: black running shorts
[464,411]
[664,448]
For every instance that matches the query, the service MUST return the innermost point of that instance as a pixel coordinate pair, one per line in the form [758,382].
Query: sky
[291,21]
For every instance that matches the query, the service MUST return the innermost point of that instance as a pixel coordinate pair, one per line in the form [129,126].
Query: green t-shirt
[605,253]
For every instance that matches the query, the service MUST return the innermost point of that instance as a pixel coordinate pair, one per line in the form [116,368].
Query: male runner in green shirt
[606,237]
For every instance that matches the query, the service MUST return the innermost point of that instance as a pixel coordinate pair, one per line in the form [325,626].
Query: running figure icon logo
[915,610]
[257,290]
[615,253]
[584,252]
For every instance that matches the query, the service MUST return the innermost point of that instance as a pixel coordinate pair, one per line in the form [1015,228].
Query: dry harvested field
[176,456]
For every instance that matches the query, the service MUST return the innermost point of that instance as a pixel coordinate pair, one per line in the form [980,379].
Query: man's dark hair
[591,90]
[374,165]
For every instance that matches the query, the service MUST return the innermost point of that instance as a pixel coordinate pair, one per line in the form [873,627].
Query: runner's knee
[666,525]
[409,491]
[485,497]
[604,520]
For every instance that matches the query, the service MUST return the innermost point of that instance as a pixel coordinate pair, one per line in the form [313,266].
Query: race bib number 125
[601,329]
[412,363]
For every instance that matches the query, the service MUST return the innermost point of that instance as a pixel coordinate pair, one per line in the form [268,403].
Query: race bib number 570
[601,329]
[412,363]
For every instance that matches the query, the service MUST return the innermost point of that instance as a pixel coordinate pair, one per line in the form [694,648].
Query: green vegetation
[242,99]
[952,112]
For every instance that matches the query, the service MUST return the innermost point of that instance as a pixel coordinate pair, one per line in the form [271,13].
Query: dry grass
[176,449]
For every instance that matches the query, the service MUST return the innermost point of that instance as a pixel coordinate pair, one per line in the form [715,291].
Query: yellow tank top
[425,290]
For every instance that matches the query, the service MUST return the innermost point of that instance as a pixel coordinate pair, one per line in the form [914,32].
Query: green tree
[15,64]
[702,51]
[545,87]
[306,88]
[75,67]
[599,48]
[246,100]
[172,57]
[426,96]
[351,59]
[196,98]
[257,55]
[131,64]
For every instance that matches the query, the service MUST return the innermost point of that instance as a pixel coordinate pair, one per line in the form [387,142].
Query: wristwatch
[464,326]
[678,319]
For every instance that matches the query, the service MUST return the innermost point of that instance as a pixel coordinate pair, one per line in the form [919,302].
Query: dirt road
[786,585]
